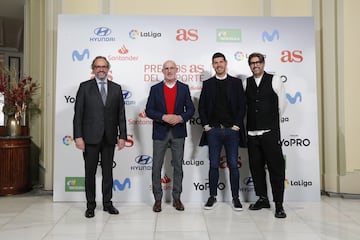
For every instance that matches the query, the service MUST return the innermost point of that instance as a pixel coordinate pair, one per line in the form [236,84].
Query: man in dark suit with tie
[99,124]
[221,110]
[169,106]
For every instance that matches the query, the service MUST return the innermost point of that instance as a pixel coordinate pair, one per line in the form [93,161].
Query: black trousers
[265,150]
[104,152]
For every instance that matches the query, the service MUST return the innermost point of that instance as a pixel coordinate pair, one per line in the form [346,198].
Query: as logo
[270,37]
[80,56]
[187,35]
[291,56]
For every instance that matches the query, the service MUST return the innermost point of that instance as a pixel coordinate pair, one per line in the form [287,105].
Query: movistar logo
[270,37]
[121,186]
[80,56]
[294,99]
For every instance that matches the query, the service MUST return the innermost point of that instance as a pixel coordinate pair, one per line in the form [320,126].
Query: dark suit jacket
[156,108]
[92,119]
[235,98]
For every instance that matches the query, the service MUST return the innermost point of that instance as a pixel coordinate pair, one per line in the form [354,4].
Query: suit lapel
[177,95]
[110,91]
[162,96]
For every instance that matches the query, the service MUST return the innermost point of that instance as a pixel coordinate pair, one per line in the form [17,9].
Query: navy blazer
[92,119]
[156,108]
[236,100]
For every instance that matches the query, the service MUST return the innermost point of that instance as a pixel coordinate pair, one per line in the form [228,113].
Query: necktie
[103,92]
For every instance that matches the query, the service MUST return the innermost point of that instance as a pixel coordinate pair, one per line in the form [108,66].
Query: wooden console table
[14,165]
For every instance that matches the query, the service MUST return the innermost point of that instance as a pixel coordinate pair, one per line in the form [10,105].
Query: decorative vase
[24,118]
[13,126]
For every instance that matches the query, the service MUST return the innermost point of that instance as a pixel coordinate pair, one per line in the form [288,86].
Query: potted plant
[18,98]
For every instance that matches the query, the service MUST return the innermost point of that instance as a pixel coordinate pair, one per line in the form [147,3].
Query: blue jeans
[218,137]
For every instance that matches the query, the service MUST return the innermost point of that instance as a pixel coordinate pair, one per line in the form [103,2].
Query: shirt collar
[99,81]
[221,78]
[170,85]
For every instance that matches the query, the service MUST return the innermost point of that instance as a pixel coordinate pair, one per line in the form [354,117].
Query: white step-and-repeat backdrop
[136,47]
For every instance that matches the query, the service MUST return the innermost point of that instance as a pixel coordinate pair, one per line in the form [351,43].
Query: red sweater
[170,98]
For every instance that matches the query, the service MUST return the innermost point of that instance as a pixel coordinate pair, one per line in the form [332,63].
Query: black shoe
[89,213]
[279,211]
[157,206]
[111,209]
[210,204]
[237,204]
[177,204]
[262,202]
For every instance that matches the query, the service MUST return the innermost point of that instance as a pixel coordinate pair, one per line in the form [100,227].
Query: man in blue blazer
[221,110]
[99,124]
[169,106]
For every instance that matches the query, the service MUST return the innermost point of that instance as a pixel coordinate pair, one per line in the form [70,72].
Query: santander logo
[123,50]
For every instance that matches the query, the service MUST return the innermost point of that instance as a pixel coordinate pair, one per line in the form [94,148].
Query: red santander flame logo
[165,179]
[123,50]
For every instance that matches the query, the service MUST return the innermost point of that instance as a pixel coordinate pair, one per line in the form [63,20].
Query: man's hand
[120,144]
[80,144]
[172,119]
[235,128]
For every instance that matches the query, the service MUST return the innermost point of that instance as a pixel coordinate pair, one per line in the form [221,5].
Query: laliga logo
[239,56]
[287,184]
[67,140]
[134,34]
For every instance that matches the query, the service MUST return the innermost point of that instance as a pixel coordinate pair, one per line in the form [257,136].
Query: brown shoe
[178,205]
[157,206]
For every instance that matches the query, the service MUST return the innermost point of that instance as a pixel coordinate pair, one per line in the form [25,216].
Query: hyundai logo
[143,159]
[126,94]
[248,181]
[102,31]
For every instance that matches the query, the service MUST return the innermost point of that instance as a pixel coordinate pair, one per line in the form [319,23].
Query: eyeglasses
[255,63]
[169,68]
[101,67]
